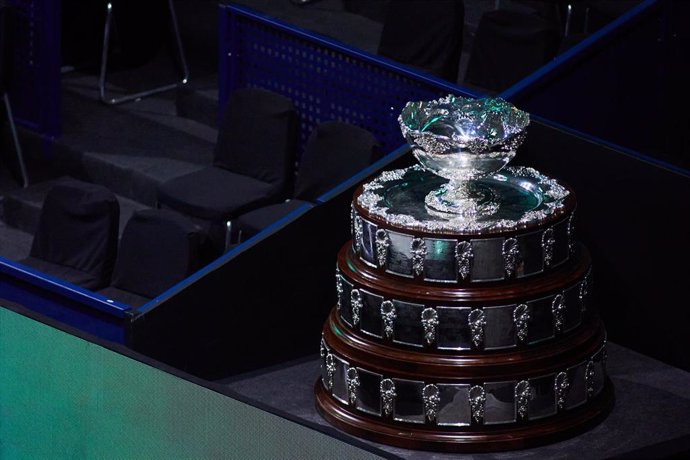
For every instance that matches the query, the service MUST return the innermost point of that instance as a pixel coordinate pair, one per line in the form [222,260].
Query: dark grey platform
[650,418]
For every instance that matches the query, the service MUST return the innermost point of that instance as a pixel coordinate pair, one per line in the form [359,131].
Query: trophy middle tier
[464,320]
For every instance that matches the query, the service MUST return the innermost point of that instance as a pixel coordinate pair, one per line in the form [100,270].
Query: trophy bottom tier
[467,402]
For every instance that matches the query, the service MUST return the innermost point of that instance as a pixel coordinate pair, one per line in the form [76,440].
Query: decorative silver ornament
[558,311]
[477,403]
[571,233]
[338,288]
[383,242]
[547,243]
[358,234]
[521,317]
[352,384]
[523,393]
[464,256]
[430,324]
[561,386]
[590,373]
[511,255]
[330,371]
[418,251]
[388,316]
[323,348]
[387,388]
[583,293]
[477,320]
[432,398]
[356,304]
[604,355]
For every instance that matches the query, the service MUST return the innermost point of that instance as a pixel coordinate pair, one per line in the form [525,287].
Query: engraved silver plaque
[430,325]
[383,242]
[521,317]
[356,305]
[464,256]
[511,256]
[547,243]
[431,397]
[561,386]
[477,403]
[523,392]
[418,251]
[387,389]
[352,384]
[477,320]
[388,316]
[558,311]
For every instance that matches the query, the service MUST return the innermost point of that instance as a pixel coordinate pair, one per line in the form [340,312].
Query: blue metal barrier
[36,60]
[326,79]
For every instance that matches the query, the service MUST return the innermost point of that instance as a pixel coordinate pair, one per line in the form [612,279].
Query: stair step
[149,127]
[134,177]
[22,207]
[198,101]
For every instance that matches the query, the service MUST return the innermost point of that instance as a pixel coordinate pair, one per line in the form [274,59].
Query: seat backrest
[78,228]
[508,46]
[334,152]
[158,249]
[257,136]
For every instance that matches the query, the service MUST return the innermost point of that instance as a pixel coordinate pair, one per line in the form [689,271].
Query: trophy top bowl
[462,138]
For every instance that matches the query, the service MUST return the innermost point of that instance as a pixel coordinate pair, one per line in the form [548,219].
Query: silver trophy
[463,140]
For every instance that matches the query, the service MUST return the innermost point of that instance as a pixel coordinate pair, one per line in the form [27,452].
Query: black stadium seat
[253,162]
[76,238]
[334,152]
[158,249]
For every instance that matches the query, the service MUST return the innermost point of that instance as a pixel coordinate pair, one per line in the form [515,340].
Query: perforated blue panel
[325,79]
[35,79]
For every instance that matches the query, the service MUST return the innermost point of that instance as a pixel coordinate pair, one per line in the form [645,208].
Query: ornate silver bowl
[462,140]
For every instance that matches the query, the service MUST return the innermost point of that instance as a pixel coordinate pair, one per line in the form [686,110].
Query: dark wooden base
[471,438]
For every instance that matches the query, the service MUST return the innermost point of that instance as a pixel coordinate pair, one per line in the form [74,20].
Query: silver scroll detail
[330,371]
[383,242]
[511,254]
[583,293]
[590,373]
[464,256]
[356,304]
[352,384]
[571,232]
[338,288]
[561,386]
[558,311]
[387,388]
[432,399]
[521,317]
[547,243]
[388,316]
[418,251]
[523,393]
[323,348]
[430,324]
[477,403]
[477,320]
[358,233]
